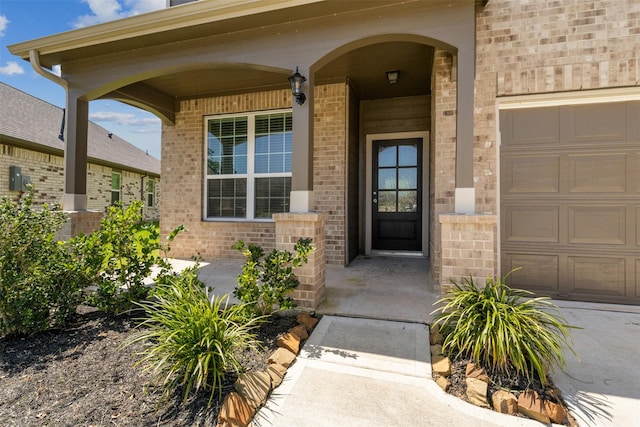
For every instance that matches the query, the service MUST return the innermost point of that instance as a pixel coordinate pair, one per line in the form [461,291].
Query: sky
[24,20]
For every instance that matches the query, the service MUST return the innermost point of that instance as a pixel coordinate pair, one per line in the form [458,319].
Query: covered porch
[379,287]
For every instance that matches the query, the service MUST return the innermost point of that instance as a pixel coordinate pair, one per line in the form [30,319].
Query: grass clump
[194,340]
[503,328]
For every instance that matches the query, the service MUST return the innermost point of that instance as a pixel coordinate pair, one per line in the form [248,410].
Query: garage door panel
[538,273]
[531,174]
[635,283]
[597,225]
[596,276]
[592,123]
[541,126]
[570,209]
[598,173]
[531,224]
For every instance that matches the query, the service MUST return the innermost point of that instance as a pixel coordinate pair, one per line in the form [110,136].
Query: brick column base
[468,247]
[289,228]
[80,222]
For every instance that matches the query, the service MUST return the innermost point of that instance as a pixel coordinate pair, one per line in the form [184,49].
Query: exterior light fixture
[392,76]
[296,79]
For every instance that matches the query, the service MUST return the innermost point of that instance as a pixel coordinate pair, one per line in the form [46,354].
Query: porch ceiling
[365,68]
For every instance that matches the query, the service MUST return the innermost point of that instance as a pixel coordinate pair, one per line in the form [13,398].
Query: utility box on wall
[15,178]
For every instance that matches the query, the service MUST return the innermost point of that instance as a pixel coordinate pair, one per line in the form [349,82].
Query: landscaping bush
[503,328]
[193,339]
[119,256]
[266,282]
[40,284]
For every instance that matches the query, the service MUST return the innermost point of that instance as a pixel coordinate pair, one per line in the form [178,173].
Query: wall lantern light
[392,76]
[296,79]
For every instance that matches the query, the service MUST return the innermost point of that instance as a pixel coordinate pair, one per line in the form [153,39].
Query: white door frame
[424,135]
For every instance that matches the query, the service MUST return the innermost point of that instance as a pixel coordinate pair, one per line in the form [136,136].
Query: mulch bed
[81,377]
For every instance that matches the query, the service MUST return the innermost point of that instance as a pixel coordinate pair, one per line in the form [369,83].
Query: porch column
[290,227]
[302,168]
[465,195]
[75,154]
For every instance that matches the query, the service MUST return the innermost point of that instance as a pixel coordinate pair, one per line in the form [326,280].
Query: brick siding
[47,175]
[183,174]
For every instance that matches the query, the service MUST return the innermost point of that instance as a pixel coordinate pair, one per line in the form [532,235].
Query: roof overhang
[190,21]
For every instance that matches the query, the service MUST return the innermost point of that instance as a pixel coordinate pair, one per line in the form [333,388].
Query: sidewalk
[367,363]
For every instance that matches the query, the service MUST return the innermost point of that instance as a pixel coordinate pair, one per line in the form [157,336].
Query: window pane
[386,201]
[408,155]
[387,179]
[274,138]
[227,198]
[408,178]
[227,146]
[276,163]
[262,163]
[407,201]
[115,181]
[272,196]
[386,156]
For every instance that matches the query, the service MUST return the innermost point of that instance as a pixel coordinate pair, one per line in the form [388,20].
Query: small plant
[503,328]
[193,339]
[40,285]
[266,282]
[120,255]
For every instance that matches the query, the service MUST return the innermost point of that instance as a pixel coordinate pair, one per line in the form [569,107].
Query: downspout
[34,58]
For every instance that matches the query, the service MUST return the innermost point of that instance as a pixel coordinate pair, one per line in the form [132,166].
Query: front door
[396,199]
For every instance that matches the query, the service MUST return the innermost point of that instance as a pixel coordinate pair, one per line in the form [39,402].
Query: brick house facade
[29,129]
[505,105]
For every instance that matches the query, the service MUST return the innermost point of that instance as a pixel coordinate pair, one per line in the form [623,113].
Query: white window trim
[250,175]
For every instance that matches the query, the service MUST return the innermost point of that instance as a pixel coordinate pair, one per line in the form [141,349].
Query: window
[115,187]
[248,165]
[150,192]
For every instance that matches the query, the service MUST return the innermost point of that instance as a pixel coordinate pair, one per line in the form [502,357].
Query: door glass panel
[407,201]
[386,201]
[387,179]
[408,178]
[408,155]
[386,156]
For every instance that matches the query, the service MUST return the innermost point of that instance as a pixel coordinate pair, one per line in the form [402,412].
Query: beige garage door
[570,200]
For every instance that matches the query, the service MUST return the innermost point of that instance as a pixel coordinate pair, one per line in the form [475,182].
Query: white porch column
[302,168]
[75,154]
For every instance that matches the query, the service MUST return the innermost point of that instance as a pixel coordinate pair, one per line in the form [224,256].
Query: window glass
[262,141]
[115,187]
[150,192]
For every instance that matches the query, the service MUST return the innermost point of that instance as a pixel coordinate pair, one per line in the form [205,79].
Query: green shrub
[193,340]
[119,256]
[40,284]
[503,328]
[266,282]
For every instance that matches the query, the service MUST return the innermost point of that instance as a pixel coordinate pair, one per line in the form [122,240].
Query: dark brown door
[397,202]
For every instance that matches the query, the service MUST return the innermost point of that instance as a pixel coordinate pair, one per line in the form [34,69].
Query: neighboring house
[31,150]
[483,135]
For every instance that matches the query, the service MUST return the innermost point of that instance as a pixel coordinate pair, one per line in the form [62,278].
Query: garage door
[570,200]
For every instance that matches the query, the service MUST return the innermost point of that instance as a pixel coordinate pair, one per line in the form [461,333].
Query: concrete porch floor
[381,287]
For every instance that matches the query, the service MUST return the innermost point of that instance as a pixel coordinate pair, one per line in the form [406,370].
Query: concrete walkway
[367,362]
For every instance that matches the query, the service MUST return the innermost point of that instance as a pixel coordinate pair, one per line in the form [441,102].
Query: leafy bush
[193,339]
[40,284]
[120,255]
[266,282]
[501,327]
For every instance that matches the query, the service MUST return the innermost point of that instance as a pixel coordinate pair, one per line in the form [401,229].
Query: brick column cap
[302,216]
[474,218]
